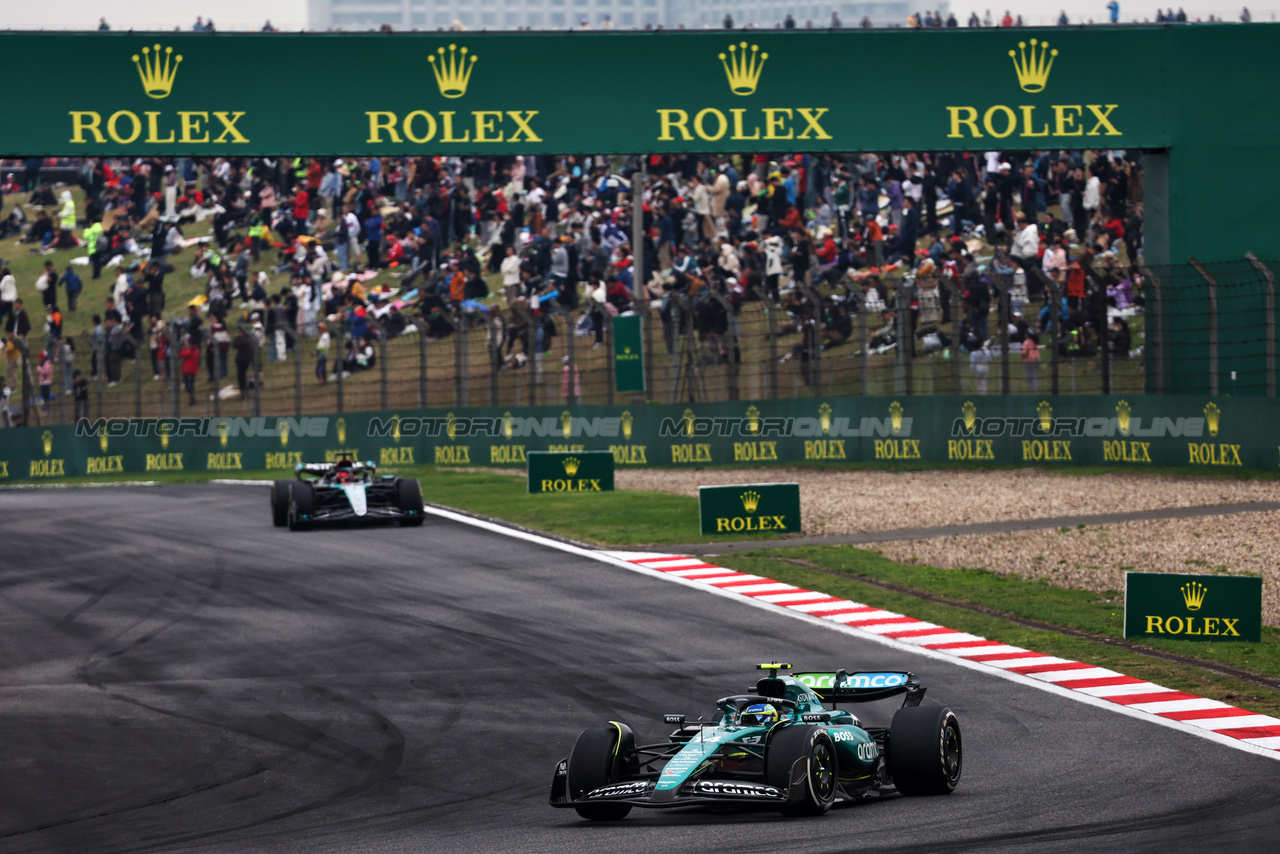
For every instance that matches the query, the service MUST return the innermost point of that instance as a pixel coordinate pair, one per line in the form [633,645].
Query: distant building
[487,14]
[599,14]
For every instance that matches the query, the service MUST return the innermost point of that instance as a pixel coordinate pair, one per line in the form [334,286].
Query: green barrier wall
[1061,431]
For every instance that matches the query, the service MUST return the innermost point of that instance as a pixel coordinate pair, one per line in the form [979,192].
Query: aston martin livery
[344,491]
[779,747]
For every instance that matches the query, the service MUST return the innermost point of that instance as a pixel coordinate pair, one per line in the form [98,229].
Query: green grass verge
[838,569]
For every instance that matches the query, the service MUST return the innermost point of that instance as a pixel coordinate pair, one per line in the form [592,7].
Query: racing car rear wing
[863,686]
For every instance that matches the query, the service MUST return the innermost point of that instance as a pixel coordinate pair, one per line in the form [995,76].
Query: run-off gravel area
[851,502]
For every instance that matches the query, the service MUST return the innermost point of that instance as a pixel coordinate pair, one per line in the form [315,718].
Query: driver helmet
[343,476]
[760,714]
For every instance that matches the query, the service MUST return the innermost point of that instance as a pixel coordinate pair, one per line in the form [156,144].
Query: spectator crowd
[328,255]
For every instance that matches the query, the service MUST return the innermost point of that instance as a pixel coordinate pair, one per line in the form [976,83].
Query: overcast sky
[292,14]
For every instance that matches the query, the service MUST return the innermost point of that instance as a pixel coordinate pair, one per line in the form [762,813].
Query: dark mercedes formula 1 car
[344,491]
[776,748]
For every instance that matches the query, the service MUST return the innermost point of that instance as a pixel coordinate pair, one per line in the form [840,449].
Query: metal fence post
[175,368]
[1270,281]
[1004,317]
[257,367]
[340,359]
[957,386]
[1154,330]
[297,378]
[460,368]
[609,379]
[902,370]
[1055,330]
[495,355]
[815,349]
[100,359]
[382,358]
[771,315]
[570,396]
[864,367]
[421,323]
[137,379]
[1211,286]
[26,384]
[732,366]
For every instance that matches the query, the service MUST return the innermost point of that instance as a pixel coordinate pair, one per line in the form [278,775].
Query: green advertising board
[749,508]
[1192,607]
[1125,432]
[628,353]
[576,472]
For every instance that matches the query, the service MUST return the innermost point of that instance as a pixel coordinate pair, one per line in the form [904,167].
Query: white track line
[1256,736]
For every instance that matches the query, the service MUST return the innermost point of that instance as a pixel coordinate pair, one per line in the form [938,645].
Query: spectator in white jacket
[511,274]
[1026,243]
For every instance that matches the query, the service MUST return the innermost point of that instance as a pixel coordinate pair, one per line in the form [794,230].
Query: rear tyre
[813,745]
[302,506]
[280,502]
[593,763]
[409,497]
[925,750]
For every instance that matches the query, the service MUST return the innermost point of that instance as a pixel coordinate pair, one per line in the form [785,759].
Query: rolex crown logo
[1123,411]
[1193,595]
[824,418]
[452,70]
[1033,71]
[566,423]
[102,441]
[750,500]
[284,433]
[1045,412]
[164,436]
[1212,414]
[223,429]
[895,417]
[627,420]
[508,425]
[156,71]
[395,427]
[743,69]
[753,420]
[970,413]
[47,439]
[688,417]
[342,431]
[450,426]
[571,465]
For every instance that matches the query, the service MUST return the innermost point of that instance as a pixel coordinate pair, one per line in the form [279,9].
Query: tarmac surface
[178,675]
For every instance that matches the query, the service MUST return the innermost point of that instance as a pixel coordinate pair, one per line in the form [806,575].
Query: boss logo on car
[743,790]
[840,735]
[621,790]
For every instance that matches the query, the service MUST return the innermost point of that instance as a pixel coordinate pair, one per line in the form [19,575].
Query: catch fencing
[1187,329]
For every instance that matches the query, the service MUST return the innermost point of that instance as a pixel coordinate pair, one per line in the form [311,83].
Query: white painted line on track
[1259,740]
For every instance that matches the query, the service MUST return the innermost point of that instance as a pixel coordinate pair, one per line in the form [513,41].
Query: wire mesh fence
[1194,328]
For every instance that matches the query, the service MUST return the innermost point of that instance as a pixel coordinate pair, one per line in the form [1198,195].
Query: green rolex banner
[1192,607]
[628,353]
[749,507]
[576,471]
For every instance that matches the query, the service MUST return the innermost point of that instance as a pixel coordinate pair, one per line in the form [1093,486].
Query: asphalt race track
[177,674]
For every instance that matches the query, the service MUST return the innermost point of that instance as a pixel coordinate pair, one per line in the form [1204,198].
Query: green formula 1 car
[777,748]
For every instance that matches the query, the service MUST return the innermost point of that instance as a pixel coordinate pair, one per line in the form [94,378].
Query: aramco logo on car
[749,508]
[1193,607]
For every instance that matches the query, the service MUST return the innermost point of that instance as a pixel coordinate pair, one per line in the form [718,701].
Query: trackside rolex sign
[750,508]
[576,472]
[1192,607]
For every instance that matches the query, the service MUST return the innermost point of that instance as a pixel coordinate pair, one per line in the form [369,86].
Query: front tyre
[811,746]
[595,762]
[280,502]
[925,750]
[409,499]
[302,506]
